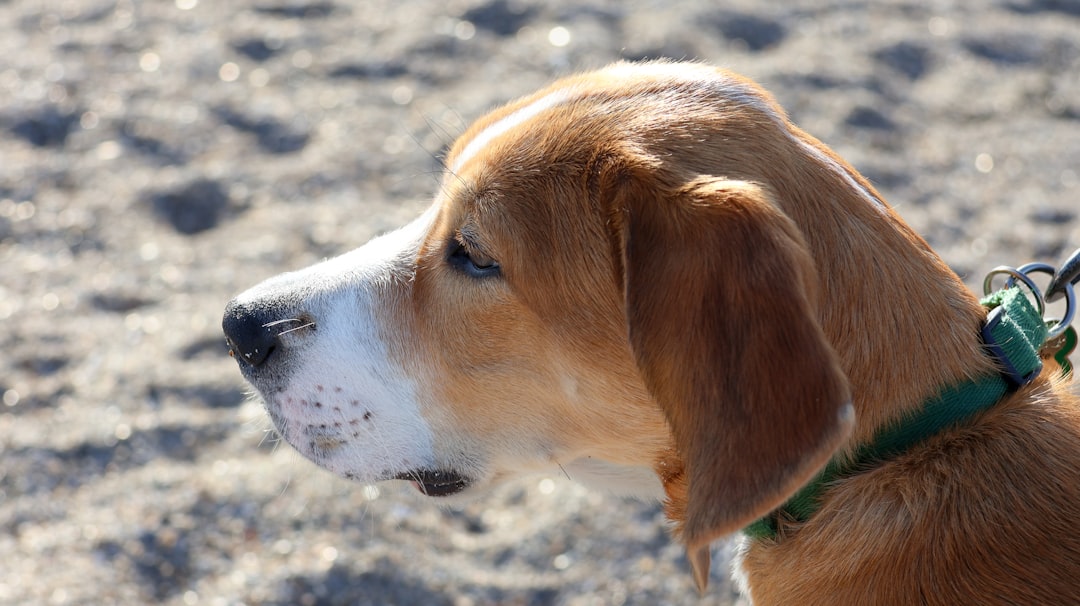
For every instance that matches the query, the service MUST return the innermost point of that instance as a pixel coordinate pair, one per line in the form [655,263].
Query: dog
[646,277]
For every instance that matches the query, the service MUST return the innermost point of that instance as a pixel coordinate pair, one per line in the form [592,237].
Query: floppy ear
[721,303]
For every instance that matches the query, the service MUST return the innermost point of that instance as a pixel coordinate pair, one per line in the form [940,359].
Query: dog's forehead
[665,110]
[623,100]
[489,130]
[576,97]
[517,153]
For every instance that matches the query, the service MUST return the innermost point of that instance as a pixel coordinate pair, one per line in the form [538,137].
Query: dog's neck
[901,320]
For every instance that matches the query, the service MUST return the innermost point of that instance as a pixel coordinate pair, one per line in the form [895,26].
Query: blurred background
[159,156]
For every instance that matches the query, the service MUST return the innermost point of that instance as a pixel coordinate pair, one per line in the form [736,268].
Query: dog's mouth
[436,482]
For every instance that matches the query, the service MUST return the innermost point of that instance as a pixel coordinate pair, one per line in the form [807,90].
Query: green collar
[1014,333]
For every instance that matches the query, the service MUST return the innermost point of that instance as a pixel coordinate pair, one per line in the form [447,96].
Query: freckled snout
[310,343]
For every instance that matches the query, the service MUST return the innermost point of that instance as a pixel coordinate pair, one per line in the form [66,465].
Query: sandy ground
[158,157]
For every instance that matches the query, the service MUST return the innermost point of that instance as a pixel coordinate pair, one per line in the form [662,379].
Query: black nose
[251,331]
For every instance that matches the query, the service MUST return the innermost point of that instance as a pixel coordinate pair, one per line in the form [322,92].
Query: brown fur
[982,514]
[711,294]
[706,349]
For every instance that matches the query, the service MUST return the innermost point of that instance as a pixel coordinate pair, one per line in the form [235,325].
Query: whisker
[444,134]
[276,322]
[565,473]
[273,437]
[439,161]
[285,332]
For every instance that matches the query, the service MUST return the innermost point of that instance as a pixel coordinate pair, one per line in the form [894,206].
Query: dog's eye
[472,261]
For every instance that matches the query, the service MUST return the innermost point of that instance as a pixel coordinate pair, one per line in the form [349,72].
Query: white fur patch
[338,397]
[504,125]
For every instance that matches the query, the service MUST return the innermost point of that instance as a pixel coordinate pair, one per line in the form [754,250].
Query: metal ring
[1070,311]
[1070,297]
[1015,274]
[1045,268]
[1021,274]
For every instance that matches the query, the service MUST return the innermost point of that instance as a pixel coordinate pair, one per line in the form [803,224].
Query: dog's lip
[436,482]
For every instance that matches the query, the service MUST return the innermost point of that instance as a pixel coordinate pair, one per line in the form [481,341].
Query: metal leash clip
[1065,278]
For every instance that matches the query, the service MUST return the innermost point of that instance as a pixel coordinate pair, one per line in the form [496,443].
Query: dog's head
[608,281]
